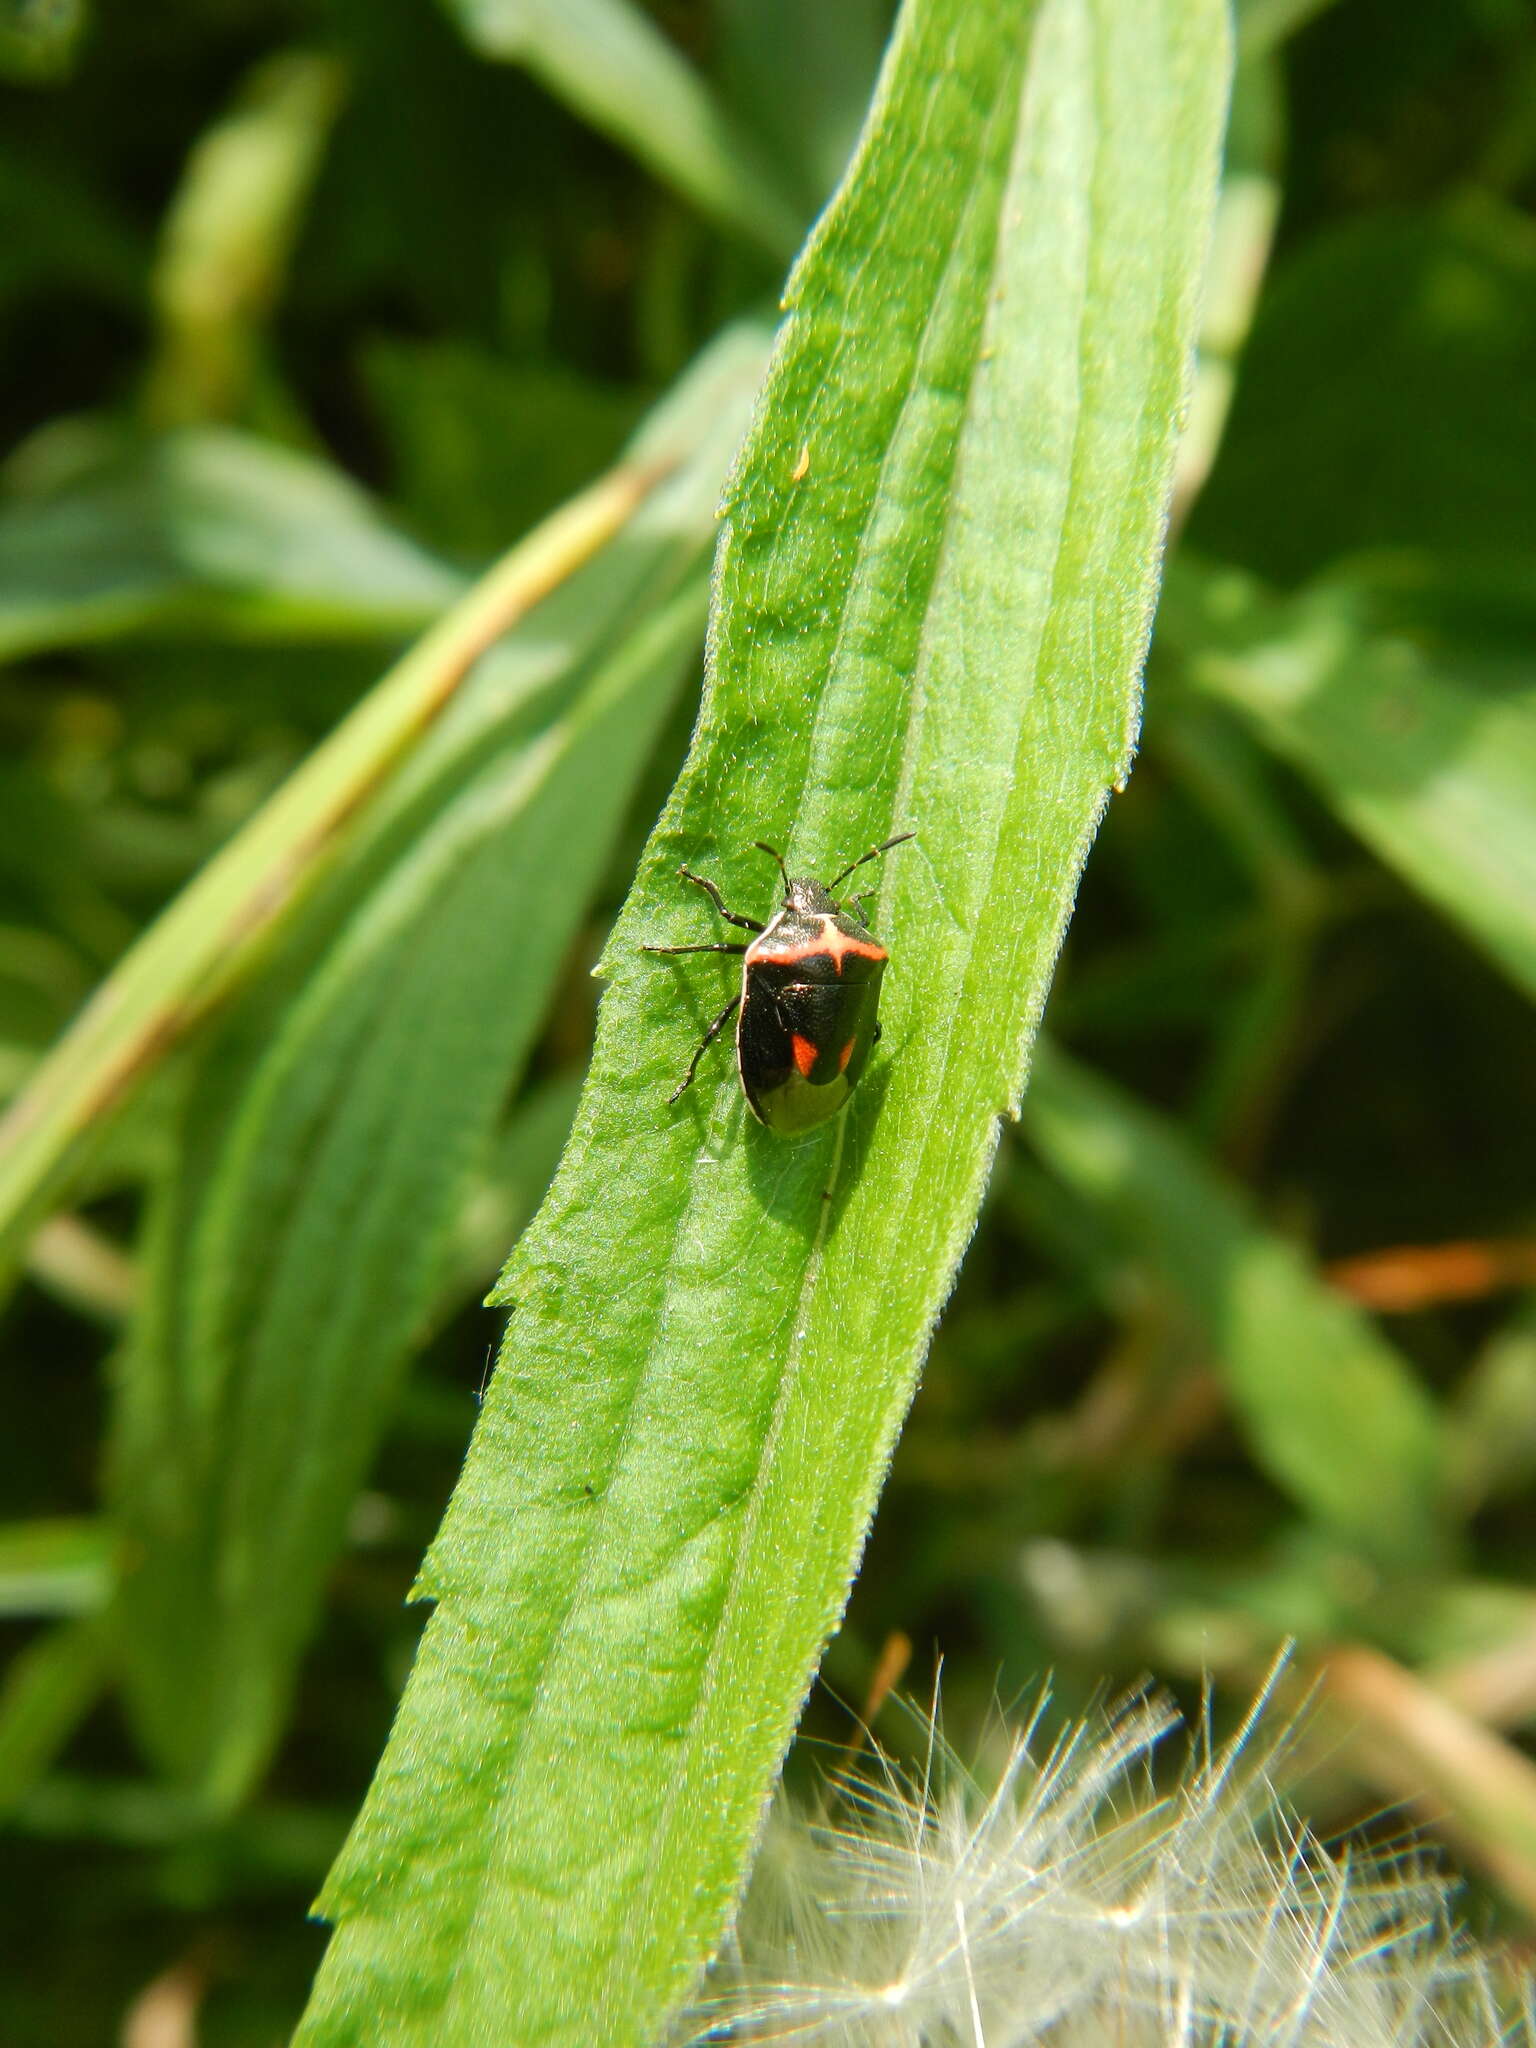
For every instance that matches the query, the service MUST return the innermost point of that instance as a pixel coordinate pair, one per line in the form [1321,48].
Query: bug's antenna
[874,853]
[763,847]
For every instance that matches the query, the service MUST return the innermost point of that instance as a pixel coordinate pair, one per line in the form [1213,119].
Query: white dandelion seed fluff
[1074,1906]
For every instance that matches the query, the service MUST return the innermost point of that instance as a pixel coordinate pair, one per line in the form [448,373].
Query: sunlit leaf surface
[933,590]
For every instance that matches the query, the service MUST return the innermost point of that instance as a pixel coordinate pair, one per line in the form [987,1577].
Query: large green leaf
[339,1115]
[934,586]
[1329,1409]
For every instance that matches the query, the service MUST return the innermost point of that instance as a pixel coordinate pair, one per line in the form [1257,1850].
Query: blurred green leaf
[339,1117]
[933,588]
[229,232]
[57,228]
[1493,1424]
[1384,398]
[1330,1411]
[482,447]
[202,531]
[610,63]
[1263,24]
[287,1842]
[38,37]
[292,1275]
[1206,1615]
[1450,1627]
[48,1690]
[1247,210]
[211,933]
[1426,750]
[801,74]
[507,1190]
[53,1567]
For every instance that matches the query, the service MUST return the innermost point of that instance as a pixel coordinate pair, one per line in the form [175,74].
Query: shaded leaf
[38,37]
[482,447]
[611,64]
[1384,398]
[1424,746]
[1330,1411]
[801,73]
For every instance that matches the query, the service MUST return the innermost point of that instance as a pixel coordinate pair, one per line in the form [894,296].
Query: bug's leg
[722,947]
[874,853]
[705,1043]
[773,853]
[748,924]
[875,1038]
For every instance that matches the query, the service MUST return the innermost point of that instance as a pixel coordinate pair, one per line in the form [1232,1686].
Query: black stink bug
[809,998]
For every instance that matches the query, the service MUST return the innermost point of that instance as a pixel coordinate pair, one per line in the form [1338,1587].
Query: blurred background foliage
[312,308]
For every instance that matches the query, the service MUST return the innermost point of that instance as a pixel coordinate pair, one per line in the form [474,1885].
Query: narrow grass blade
[1329,1409]
[933,592]
[84,1269]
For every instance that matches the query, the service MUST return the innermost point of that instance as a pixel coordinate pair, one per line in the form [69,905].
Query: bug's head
[816,899]
[801,894]
[810,899]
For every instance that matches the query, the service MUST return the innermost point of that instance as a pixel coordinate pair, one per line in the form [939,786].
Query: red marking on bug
[845,1056]
[840,944]
[804,1054]
[835,944]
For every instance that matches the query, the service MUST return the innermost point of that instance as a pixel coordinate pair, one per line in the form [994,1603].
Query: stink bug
[809,997]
